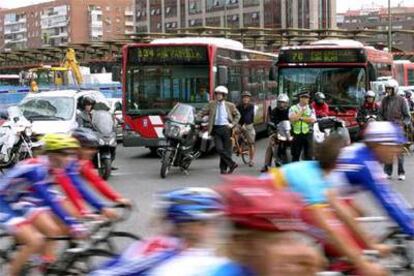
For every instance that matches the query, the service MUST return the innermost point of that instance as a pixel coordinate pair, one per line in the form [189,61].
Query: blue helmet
[384,133]
[190,204]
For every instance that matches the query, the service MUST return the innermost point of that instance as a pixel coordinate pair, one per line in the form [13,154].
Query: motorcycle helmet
[370,93]
[86,137]
[283,98]
[408,94]
[391,84]
[319,97]
[190,204]
[246,94]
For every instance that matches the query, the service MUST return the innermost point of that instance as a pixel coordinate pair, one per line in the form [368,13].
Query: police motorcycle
[326,126]
[283,140]
[15,142]
[104,126]
[181,132]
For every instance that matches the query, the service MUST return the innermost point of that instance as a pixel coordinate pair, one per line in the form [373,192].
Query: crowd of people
[279,223]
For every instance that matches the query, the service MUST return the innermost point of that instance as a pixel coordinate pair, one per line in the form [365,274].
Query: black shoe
[223,172]
[232,168]
[264,169]
[114,168]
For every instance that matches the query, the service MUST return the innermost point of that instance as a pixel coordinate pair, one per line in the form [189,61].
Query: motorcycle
[327,126]
[282,140]
[103,125]
[15,142]
[180,131]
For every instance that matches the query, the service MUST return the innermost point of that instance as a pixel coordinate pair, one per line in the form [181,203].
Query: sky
[342,5]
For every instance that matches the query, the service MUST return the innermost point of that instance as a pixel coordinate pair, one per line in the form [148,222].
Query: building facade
[377,18]
[65,21]
[158,16]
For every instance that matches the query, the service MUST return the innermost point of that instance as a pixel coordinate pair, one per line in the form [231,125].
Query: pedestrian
[279,114]
[302,117]
[223,116]
[394,108]
[246,110]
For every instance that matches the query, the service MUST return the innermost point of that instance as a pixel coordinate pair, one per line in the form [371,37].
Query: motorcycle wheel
[106,169]
[165,164]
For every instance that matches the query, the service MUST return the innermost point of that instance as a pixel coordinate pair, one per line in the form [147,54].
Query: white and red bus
[404,72]
[166,71]
[342,69]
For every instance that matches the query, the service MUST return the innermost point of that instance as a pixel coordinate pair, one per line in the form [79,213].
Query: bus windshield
[158,88]
[341,86]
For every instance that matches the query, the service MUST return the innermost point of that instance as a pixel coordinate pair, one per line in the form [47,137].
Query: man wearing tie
[223,116]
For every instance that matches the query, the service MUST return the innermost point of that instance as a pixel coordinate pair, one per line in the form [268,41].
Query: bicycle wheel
[83,262]
[244,150]
[402,256]
[118,241]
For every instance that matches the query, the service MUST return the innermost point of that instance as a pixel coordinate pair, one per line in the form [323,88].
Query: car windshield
[159,88]
[48,108]
[341,86]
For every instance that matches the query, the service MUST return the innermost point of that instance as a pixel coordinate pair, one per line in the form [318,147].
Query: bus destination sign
[149,55]
[323,56]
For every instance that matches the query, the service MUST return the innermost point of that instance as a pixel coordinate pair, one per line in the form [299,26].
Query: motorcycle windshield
[103,122]
[182,113]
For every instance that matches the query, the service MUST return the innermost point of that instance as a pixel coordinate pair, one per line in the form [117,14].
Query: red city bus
[404,72]
[342,69]
[166,71]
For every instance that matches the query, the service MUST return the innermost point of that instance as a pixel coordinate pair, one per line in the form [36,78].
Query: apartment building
[65,21]
[163,15]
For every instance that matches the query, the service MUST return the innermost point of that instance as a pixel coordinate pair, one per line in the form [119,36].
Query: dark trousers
[302,142]
[281,155]
[222,141]
[388,167]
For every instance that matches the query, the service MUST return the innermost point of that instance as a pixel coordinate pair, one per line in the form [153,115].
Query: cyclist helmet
[370,93]
[255,203]
[58,142]
[283,98]
[221,89]
[319,97]
[384,133]
[392,84]
[86,137]
[87,100]
[190,204]
[246,94]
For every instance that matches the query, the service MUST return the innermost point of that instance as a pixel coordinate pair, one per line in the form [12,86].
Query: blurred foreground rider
[302,117]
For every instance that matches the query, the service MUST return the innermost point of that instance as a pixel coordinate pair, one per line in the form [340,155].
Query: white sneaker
[401,177]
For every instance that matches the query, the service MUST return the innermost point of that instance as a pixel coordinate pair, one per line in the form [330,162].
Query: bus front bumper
[133,139]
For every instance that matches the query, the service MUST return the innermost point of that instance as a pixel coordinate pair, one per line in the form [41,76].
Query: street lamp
[389,27]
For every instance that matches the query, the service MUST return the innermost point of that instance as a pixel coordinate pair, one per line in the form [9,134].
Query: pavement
[138,179]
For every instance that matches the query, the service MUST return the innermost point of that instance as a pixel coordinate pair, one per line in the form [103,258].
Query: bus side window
[223,75]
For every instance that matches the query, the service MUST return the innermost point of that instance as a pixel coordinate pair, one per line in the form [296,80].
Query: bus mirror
[223,75]
[273,73]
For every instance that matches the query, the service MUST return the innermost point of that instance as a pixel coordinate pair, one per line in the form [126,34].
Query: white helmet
[401,93]
[370,93]
[283,98]
[392,84]
[221,89]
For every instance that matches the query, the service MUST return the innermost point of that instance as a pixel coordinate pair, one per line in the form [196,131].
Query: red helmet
[256,203]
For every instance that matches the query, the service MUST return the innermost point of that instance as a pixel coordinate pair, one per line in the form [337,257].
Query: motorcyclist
[408,96]
[278,114]
[320,106]
[84,116]
[368,108]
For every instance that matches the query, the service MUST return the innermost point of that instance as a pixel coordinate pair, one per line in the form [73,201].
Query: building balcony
[129,13]
[65,34]
[128,32]
[53,15]
[14,41]
[8,23]
[129,23]
[22,30]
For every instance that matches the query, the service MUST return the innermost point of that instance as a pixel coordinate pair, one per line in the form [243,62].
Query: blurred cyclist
[360,166]
[265,225]
[190,215]
[342,235]
[28,189]
[320,106]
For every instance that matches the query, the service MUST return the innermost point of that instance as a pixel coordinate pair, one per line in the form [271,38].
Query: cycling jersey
[28,187]
[305,178]
[88,172]
[362,171]
[9,219]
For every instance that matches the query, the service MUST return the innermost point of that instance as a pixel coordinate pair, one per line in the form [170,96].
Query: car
[115,105]
[55,111]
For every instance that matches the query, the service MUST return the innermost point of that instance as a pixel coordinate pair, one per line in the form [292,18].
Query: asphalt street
[138,179]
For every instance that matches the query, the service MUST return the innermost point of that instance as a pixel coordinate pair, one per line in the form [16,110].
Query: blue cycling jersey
[31,183]
[306,178]
[362,171]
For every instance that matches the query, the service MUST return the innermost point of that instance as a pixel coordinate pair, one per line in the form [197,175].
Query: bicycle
[240,144]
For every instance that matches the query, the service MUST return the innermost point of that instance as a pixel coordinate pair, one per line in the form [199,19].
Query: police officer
[302,117]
